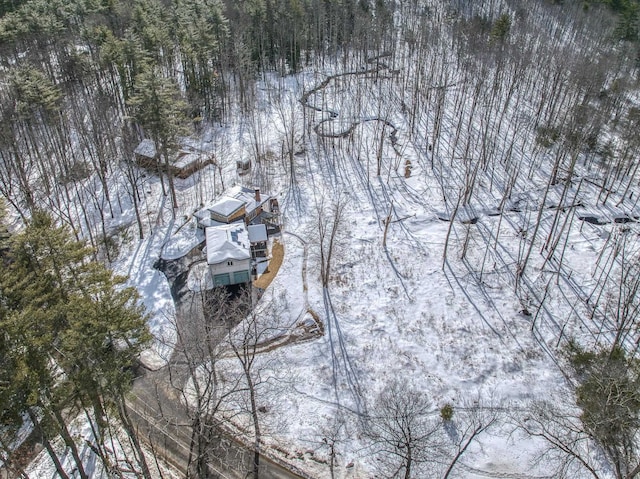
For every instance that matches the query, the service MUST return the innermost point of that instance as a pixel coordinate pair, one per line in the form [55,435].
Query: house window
[229,263]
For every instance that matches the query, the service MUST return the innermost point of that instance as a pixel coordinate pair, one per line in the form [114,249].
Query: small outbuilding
[243,166]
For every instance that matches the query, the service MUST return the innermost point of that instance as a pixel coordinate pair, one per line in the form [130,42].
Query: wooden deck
[277,255]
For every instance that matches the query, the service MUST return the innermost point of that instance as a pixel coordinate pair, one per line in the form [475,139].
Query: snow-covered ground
[137,264]
[454,330]
[395,313]
[117,447]
[464,330]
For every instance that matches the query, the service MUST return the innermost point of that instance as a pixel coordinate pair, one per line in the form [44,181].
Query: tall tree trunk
[256,425]
[47,445]
[131,432]
[70,443]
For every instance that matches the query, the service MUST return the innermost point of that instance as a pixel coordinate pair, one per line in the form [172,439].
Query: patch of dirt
[277,255]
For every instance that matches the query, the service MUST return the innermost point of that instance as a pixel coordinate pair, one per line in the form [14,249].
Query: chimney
[257,190]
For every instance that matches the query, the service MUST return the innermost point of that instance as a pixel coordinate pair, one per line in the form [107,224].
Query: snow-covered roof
[146,148]
[186,159]
[248,196]
[202,214]
[206,222]
[226,206]
[233,199]
[257,233]
[227,242]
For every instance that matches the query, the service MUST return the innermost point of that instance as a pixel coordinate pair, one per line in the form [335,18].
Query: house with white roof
[238,203]
[228,254]
[227,210]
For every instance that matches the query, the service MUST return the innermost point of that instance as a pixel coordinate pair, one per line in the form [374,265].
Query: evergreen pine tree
[71,334]
[159,109]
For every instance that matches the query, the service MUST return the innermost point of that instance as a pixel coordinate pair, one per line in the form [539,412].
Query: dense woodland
[482,85]
[84,81]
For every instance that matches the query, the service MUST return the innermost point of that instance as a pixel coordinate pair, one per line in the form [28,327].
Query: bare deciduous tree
[403,431]
[466,425]
[259,331]
[599,434]
[329,223]
[568,448]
